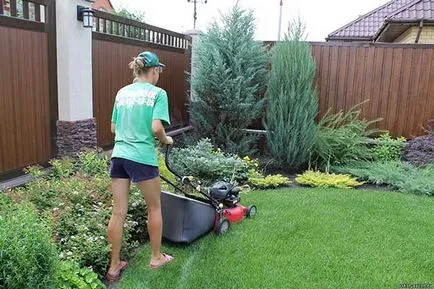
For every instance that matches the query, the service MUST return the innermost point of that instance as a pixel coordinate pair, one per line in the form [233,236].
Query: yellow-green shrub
[327,180]
[258,180]
[271,181]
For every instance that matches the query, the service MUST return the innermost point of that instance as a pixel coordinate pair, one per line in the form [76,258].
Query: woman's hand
[169,141]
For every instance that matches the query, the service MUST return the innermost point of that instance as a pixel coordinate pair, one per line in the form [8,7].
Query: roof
[110,3]
[415,10]
[368,26]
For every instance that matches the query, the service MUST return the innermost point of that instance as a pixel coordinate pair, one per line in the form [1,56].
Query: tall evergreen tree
[230,74]
[292,102]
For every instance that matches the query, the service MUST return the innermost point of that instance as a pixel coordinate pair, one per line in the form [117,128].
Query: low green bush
[27,254]
[69,275]
[327,180]
[399,175]
[342,137]
[94,162]
[207,163]
[269,182]
[257,180]
[79,204]
[62,168]
[387,148]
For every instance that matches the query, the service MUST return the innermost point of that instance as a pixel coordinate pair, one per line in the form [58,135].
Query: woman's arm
[160,133]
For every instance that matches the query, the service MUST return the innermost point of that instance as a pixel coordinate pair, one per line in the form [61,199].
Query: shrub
[387,148]
[81,218]
[292,102]
[231,72]
[93,162]
[342,137]
[205,162]
[270,181]
[401,176]
[69,275]
[420,150]
[80,208]
[62,168]
[27,255]
[258,180]
[327,180]
[35,172]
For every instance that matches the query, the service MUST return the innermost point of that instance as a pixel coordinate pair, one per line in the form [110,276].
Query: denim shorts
[136,172]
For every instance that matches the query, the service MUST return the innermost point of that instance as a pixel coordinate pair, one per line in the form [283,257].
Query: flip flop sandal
[166,258]
[115,277]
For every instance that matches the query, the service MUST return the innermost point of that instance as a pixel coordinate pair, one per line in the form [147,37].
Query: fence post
[76,127]
[195,34]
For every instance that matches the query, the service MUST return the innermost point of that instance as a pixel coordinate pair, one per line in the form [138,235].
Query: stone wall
[74,136]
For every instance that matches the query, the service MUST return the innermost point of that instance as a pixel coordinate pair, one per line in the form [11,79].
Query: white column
[195,34]
[74,62]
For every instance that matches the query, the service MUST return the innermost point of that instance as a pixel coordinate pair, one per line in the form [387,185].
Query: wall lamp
[85,14]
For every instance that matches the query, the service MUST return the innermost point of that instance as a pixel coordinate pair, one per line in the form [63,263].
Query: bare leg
[151,191]
[120,188]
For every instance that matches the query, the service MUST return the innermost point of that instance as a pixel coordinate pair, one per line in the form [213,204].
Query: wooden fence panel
[397,80]
[114,48]
[25,133]
[111,56]
[28,84]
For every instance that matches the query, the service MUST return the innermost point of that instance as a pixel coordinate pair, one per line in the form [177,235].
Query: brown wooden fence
[116,41]
[397,79]
[27,83]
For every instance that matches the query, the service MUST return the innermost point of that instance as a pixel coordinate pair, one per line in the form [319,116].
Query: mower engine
[226,193]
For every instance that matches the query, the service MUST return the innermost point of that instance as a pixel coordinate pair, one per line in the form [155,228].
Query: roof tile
[369,24]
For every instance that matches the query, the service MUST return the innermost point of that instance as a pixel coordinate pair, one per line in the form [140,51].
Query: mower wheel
[222,226]
[251,211]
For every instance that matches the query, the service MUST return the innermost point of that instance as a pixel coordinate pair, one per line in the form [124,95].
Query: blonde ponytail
[138,67]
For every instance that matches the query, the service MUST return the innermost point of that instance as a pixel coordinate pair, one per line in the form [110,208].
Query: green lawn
[307,238]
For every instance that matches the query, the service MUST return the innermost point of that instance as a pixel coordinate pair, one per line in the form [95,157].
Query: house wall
[103,5]
[409,36]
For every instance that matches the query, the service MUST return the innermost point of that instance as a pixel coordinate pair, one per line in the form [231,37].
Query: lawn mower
[187,217]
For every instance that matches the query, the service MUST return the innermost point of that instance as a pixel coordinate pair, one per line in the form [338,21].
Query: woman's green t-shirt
[136,106]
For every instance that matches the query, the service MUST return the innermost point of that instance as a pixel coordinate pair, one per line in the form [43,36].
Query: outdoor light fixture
[85,14]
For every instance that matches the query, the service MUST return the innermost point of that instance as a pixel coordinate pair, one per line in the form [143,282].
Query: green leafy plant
[69,275]
[80,207]
[35,171]
[131,14]
[207,163]
[62,168]
[399,175]
[292,102]
[270,181]
[94,162]
[42,193]
[342,137]
[387,148]
[231,72]
[327,180]
[27,255]
[258,180]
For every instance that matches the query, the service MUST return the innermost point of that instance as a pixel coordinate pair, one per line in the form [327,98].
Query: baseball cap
[151,59]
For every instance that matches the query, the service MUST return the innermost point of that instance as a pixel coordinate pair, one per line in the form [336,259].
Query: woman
[138,113]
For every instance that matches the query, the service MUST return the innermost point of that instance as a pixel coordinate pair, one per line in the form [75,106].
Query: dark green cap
[150,59]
